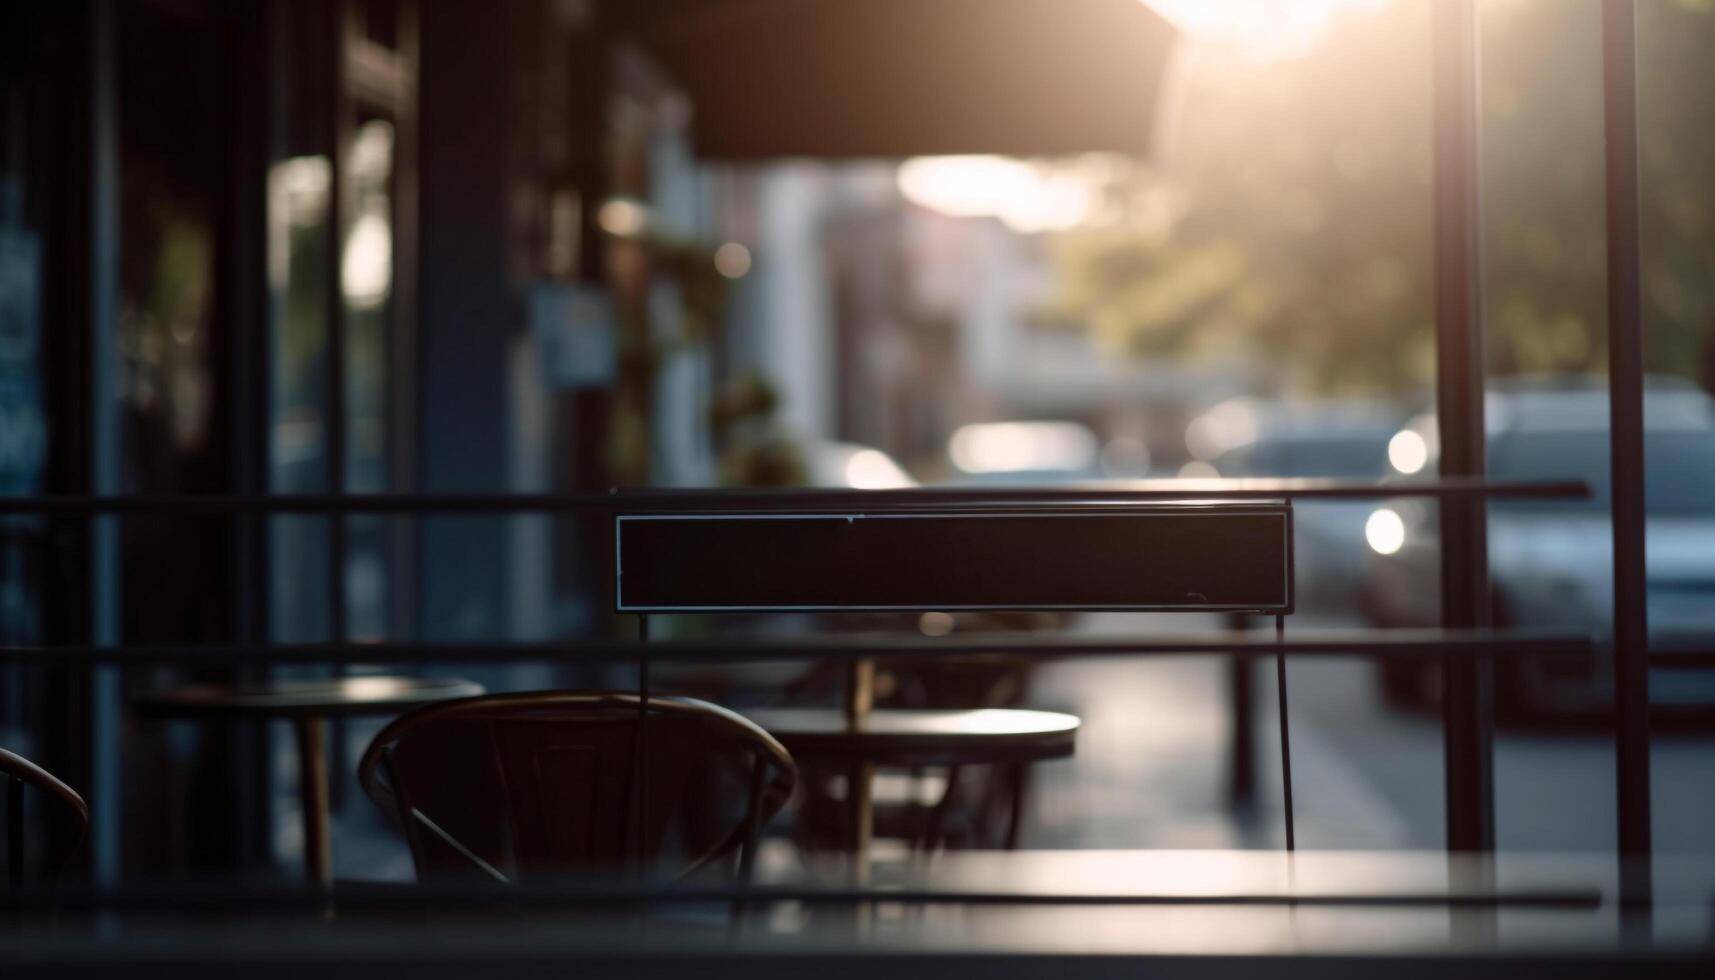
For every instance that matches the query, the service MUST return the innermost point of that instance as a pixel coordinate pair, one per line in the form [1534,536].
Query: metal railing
[1447,646]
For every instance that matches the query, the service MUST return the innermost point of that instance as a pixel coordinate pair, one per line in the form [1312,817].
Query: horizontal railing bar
[356,897]
[306,503]
[690,500]
[1682,659]
[1694,649]
[1373,644]
[1120,491]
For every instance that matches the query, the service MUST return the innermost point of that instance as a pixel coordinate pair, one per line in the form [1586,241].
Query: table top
[337,696]
[1182,913]
[892,736]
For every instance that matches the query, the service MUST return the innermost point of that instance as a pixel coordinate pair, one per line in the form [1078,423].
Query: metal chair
[510,786]
[20,773]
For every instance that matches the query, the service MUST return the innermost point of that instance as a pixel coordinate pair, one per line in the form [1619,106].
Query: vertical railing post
[1468,723]
[1626,437]
[336,427]
[640,758]
[105,438]
[249,380]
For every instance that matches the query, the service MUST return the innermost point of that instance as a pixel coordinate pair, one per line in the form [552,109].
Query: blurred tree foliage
[1287,219]
[1676,83]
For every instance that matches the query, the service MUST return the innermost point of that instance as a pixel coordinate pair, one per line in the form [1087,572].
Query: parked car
[1550,561]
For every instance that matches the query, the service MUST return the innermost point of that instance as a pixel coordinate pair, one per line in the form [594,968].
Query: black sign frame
[661,594]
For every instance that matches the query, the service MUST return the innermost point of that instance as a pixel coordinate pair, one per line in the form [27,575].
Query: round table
[307,704]
[907,738]
[922,737]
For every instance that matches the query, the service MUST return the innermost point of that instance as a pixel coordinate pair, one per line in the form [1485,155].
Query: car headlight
[1408,451]
[1385,531]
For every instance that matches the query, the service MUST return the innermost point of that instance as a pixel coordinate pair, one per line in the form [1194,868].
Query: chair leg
[752,838]
[1019,781]
[752,820]
[15,831]
[919,814]
[935,837]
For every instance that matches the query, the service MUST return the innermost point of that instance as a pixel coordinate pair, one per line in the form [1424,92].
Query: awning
[894,78]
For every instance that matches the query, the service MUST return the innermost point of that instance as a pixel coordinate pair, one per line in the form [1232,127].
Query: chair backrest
[66,805]
[1169,557]
[511,786]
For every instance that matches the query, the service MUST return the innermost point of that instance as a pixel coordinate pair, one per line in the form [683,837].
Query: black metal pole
[640,762]
[337,426]
[1626,436]
[251,433]
[1468,719]
[105,438]
[1241,755]
[1241,761]
[334,395]
[1285,732]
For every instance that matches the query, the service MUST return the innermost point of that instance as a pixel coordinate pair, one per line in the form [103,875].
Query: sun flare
[1262,28]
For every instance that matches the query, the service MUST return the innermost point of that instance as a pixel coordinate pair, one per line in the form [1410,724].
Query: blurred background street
[1152,765]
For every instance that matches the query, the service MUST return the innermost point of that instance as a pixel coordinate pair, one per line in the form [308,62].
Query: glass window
[366,288]
[298,237]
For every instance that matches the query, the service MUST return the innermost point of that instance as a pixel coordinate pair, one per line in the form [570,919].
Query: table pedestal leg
[860,780]
[313,786]
[861,816]
[860,697]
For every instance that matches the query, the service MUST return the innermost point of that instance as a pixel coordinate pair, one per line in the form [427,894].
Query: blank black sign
[1163,557]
